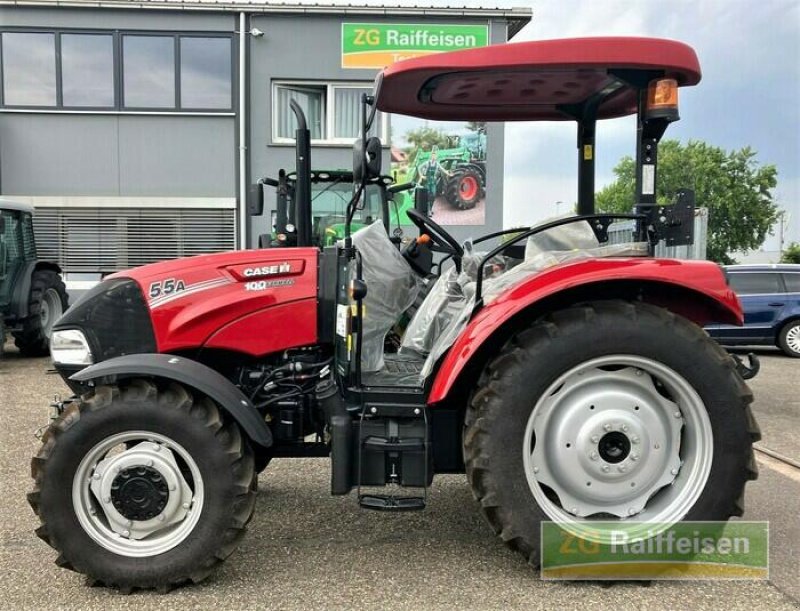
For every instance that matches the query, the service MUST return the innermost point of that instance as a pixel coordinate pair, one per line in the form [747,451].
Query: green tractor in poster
[463,179]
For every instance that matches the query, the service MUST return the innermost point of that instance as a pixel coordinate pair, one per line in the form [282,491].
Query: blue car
[770,296]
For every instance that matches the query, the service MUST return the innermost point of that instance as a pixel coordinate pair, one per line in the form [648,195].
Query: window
[87,70]
[148,69]
[333,112]
[792,282]
[205,72]
[310,99]
[29,69]
[751,283]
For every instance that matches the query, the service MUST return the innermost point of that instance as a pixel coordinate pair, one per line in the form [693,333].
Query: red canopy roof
[533,81]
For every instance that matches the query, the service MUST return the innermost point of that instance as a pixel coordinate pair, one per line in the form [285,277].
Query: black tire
[457,193]
[223,457]
[530,361]
[793,326]
[33,338]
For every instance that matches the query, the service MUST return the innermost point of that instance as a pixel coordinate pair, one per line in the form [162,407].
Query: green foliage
[791,254]
[424,139]
[732,185]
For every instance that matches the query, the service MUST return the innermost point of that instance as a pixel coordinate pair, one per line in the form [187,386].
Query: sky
[749,95]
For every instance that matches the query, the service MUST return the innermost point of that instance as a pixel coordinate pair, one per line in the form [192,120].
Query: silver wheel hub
[138,493]
[615,441]
[793,339]
[152,456]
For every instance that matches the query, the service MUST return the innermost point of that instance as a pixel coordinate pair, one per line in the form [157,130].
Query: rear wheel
[141,487]
[610,411]
[46,304]
[465,189]
[789,339]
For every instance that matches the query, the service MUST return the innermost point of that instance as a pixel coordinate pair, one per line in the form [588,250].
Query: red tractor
[570,379]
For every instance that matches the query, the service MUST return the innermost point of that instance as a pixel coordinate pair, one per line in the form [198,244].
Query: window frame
[56,56]
[60,71]
[328,114]
[119,106]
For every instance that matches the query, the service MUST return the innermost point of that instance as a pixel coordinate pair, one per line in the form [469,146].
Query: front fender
[696,290]
[190,373]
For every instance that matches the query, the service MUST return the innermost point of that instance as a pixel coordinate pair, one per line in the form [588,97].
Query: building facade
[135,132]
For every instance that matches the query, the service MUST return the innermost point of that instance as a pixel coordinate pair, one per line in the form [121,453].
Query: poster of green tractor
[449,162]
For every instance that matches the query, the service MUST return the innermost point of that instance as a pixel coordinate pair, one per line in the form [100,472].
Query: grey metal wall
[117,154]
[309,48]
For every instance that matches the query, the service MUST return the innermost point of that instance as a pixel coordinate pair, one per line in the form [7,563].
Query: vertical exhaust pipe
[303,180]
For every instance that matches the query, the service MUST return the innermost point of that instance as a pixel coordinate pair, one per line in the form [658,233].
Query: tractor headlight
[69,347]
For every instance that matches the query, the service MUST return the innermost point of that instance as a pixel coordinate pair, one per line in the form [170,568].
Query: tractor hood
[251,301]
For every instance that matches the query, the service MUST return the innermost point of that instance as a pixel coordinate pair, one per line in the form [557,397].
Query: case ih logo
[267,270]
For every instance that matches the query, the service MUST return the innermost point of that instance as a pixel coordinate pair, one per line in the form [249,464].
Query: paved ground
[446,214]
[307,550]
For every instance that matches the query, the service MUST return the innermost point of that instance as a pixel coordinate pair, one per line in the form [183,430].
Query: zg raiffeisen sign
[376,45]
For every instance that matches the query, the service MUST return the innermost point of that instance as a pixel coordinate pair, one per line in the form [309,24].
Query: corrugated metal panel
[110,239]
[623,232]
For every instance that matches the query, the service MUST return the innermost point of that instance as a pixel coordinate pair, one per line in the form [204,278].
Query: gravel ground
[308,550]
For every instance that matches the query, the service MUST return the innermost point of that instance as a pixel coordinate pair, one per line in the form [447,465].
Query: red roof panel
[530,81]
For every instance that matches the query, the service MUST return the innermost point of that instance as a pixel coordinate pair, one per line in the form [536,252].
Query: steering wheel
[442,241]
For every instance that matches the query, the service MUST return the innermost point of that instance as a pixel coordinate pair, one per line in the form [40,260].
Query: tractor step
[389,444]
[387,502]
[393,450]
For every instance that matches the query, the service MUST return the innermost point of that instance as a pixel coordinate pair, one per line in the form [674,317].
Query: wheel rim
[50,310]
[621,440]
[793,339]
[137,501]
[468,187]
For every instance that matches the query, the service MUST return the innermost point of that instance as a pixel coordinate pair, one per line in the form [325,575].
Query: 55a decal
[166,287]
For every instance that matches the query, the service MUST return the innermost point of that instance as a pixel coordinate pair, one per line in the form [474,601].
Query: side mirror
[421,201]
[255,199]
[367,160]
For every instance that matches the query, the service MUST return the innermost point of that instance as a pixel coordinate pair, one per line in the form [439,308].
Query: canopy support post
[586,141]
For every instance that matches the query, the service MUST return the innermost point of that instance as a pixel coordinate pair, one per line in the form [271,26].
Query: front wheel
[143,486]
[609,412]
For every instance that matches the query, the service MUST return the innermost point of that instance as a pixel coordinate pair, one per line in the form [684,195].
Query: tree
[732,185]
[791,254]
[479,127]
[424,139]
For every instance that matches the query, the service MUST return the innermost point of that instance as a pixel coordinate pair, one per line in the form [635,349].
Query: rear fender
[189,373]
[696,290]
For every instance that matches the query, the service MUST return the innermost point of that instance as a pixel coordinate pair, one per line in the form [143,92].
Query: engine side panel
[251,301]
[703,280]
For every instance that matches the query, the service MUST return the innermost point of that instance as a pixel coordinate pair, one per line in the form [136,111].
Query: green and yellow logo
[686,550]
[376,45]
